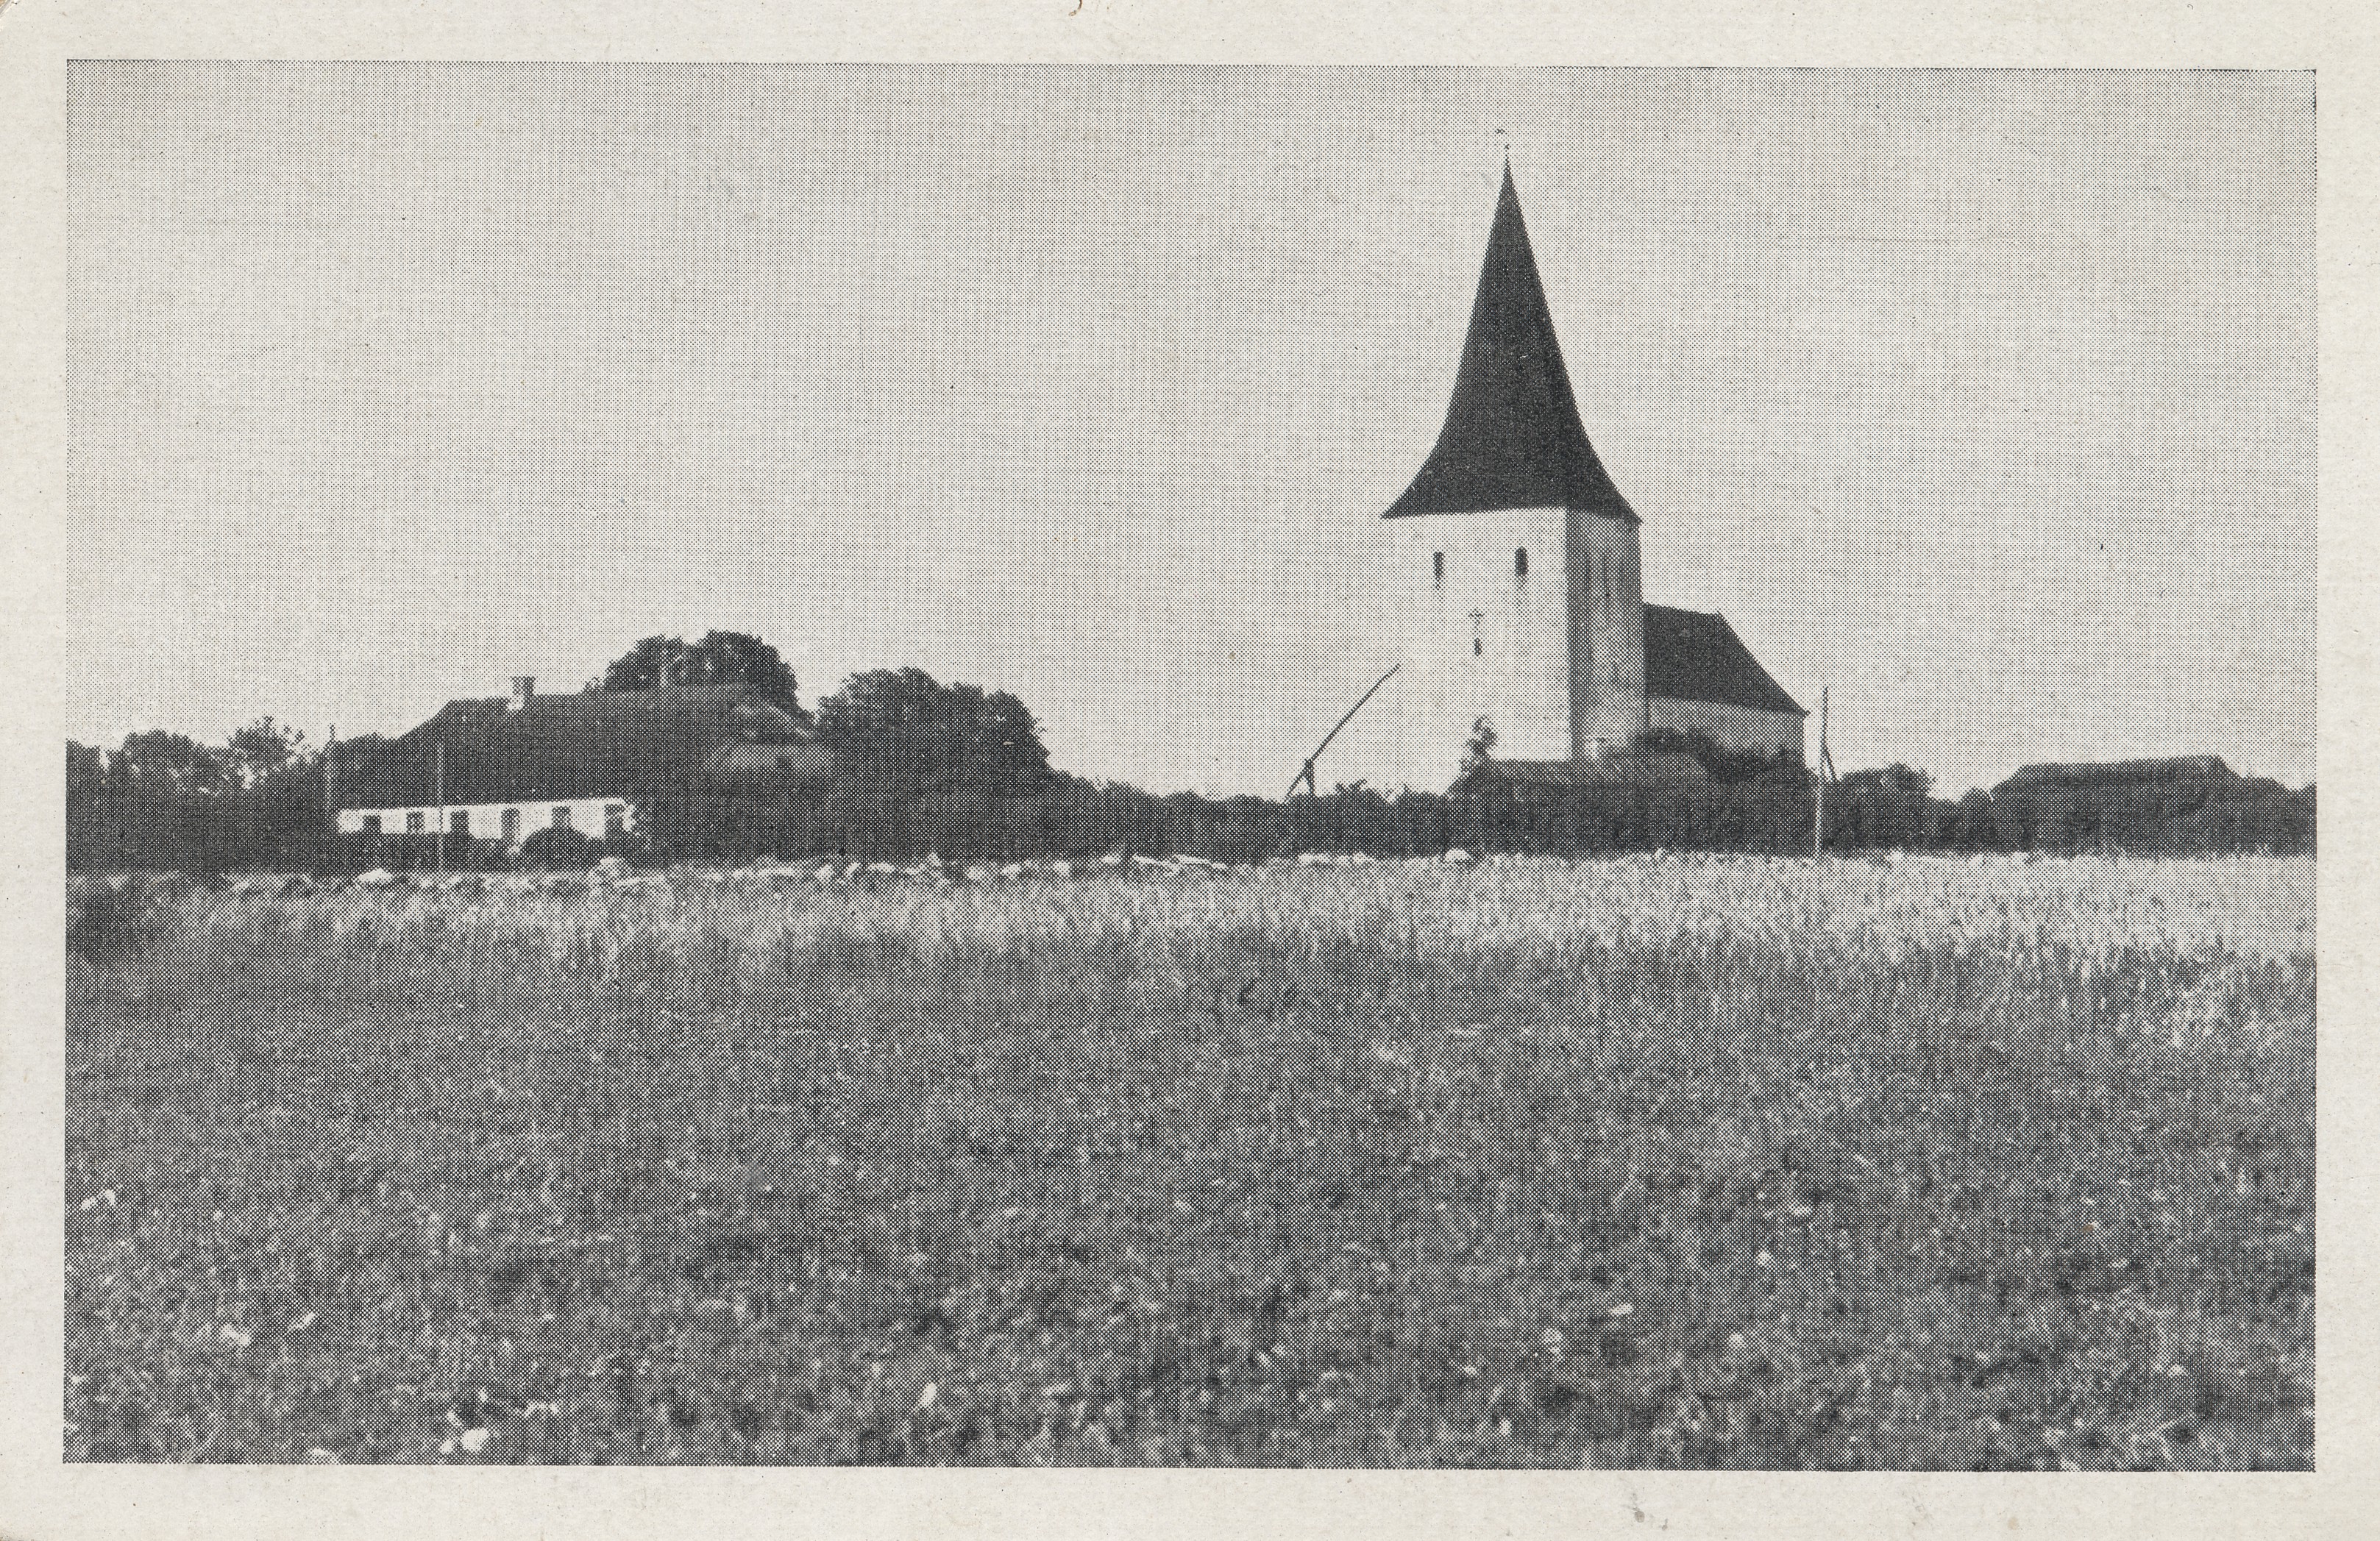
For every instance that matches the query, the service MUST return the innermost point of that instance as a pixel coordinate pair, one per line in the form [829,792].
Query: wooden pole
[1818,821]
[442,808]
[1305,772]
[331,783]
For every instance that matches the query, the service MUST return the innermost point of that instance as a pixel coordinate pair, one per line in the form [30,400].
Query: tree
[86,804]
[1479,751]
[261,750]
[1725,766]
[168,764]
[1882,807]
[905,725]
[920,764]
[720,658]
[86,770]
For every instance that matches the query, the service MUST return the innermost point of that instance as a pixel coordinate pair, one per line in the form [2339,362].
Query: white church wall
[1733,727]
[1480,639]
[1606,584]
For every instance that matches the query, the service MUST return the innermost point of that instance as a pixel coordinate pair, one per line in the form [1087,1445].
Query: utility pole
[331,783]
[442,808]
[1825,767]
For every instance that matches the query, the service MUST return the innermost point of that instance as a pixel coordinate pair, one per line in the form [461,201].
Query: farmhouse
[502,768]
[2184,771]
[1518,576]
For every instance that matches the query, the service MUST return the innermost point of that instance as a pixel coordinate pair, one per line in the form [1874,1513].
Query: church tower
[1517,568]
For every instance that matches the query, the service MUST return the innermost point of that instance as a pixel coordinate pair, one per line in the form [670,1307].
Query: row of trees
[1867,810]
[913,755]
[165,800]
[924,767]
[720,658]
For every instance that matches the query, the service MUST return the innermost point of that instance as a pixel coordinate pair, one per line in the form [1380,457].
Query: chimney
[524,690]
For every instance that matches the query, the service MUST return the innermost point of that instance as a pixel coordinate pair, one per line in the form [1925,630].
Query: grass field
[1721,1162]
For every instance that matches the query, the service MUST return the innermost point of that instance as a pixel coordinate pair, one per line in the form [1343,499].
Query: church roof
[1511,438]
[1693,656]
[608,744]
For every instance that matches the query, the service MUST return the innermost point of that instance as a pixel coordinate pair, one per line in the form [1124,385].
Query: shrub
[413,850]
[1727,767]
[557,849]
[108,923]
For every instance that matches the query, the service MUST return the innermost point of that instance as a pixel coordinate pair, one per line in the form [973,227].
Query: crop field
[1919,1164]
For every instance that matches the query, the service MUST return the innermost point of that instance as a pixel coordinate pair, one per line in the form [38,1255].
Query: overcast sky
[1985,398]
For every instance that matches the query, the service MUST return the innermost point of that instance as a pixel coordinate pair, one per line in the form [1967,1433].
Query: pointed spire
[1511,438]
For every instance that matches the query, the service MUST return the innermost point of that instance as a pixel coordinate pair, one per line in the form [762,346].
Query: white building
[502,768]
[1520,579]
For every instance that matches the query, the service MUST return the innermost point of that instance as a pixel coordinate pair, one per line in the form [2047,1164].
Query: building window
[1520,561]
[413,823]
[1437,567]
[512,826]
[561,816]
[459,823]
[372,825]
[615,821]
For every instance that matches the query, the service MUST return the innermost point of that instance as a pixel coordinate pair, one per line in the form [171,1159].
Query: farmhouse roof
[597,745]
[1693,656]
[2134,772]
[1660,768]
[1512,438]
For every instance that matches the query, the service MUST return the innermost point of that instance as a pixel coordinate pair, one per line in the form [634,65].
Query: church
[1520,585]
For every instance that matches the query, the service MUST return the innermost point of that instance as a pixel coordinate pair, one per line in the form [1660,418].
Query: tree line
[921,767]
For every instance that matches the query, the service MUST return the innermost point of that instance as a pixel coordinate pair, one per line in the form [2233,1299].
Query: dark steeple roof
[1511,438]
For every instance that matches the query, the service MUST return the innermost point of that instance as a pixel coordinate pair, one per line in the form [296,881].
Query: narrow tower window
[1437,567]
[1520,561]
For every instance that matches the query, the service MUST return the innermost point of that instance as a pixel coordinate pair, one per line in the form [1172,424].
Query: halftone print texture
[1689,1163]
[1592,1121]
